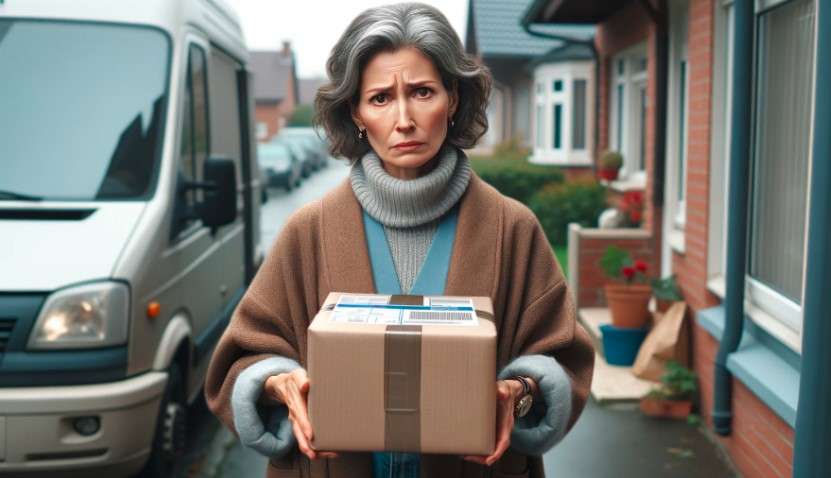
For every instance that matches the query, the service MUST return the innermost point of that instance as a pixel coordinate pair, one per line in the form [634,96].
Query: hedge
[560,204]
[516,178]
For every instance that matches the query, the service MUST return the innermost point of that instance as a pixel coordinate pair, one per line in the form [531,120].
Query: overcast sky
[313,26]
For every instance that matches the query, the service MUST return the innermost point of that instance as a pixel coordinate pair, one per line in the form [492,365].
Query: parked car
[281,166]
[307,160]
[311,141]
[128,238]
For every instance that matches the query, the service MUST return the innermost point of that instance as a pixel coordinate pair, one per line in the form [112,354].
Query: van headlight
[91,315]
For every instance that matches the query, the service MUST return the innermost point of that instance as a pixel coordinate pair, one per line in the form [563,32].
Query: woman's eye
[379,99]
[423,92]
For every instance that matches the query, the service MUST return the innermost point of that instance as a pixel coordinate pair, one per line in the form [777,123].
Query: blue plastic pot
[620,346]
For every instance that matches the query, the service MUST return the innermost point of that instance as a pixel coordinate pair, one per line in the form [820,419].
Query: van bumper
[37,436]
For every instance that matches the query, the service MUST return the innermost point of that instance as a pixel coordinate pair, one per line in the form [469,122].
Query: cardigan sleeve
[547,343]
[265,336]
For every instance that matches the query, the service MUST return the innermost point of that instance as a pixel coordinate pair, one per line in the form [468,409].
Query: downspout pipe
[813,416]
[526,25]
[737,213]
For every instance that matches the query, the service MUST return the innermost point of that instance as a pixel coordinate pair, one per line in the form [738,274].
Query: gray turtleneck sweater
[410,210]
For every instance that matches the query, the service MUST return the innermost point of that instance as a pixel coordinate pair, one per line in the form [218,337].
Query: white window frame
[772,311]
[545,98]
[677,144]
[262,130]
[721,133]
[626,141]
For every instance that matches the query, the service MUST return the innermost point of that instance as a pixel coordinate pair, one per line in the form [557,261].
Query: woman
[402,102]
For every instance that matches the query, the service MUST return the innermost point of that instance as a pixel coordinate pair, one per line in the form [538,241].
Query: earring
[361,133]
[452,123]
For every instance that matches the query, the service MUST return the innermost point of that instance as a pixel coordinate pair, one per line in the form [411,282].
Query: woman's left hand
[507,392]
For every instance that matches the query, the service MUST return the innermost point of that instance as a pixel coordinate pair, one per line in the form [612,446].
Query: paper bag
[668,340]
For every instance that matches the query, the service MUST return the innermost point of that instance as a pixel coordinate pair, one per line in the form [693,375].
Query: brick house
[714,107]
[542,91]
[275,89]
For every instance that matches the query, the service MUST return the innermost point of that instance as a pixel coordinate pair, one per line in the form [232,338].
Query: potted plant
[665,291]
[630,209]
[610,164]
[628,296]
[673,397]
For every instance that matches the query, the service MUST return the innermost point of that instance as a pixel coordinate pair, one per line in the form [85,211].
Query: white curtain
[783,133]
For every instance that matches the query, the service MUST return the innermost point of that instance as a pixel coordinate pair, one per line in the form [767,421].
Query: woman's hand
[507,392]
[292,389]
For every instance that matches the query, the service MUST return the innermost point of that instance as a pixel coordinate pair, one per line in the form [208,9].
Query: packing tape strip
[402,388]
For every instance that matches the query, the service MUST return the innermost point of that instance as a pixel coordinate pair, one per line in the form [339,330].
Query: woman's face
[405,110]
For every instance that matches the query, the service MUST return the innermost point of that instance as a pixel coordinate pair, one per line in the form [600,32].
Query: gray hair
[390,28]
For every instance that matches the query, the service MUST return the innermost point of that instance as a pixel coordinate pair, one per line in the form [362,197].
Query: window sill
[717,286]
[676,240]
[628,184]
[767,374]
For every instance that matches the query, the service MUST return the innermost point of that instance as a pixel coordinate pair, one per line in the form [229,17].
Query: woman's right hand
[292,389]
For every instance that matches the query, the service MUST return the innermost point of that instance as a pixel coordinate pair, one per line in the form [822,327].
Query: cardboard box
[403,373]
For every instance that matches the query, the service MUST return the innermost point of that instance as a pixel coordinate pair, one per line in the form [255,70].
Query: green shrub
[302,116]
[515,178]
[560,204]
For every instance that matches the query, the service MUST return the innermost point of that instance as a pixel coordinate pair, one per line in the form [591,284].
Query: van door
[194,250]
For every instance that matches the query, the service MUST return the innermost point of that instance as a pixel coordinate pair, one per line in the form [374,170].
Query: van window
[225,119]
[195,140]
[83,107]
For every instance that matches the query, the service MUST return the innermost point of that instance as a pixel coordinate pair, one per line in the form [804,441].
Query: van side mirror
[219,206]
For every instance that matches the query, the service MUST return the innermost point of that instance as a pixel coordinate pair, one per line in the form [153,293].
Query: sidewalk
[608,441]
[618,441]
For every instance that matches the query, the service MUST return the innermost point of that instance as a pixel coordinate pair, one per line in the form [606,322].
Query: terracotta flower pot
[609,174]
[657,407]
[629,304]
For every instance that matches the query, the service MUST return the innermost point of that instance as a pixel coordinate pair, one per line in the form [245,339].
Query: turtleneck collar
[408,203]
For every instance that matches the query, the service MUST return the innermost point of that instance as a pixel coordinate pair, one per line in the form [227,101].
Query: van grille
[6,326]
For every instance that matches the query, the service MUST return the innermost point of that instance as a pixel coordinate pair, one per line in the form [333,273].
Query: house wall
[761,443]
[625,29]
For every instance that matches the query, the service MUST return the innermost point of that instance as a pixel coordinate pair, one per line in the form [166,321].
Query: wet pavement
[609,441]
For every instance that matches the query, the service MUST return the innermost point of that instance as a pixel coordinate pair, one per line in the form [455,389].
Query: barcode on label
[439,315]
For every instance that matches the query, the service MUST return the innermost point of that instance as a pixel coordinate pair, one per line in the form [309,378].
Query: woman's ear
[454,99]
[357,119]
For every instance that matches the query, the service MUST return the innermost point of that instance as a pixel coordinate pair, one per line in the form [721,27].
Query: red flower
[641,266]
[635,216]
[628,272]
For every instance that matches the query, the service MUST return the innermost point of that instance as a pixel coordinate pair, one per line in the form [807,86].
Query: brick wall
[586,247]
[761,443]
[691,266]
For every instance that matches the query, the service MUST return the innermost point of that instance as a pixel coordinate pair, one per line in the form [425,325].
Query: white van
[129,225]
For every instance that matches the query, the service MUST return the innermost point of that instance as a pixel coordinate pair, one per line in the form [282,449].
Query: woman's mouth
[408,145]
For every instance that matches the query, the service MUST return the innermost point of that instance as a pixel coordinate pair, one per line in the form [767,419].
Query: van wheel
[171,428]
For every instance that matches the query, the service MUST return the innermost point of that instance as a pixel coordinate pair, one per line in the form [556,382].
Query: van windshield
[82,109]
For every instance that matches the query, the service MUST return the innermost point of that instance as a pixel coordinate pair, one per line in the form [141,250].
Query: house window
[262,130]
[578,114]
[558,126]
[722,98]
[561,115]
[677,130]
[629,110]
[784,85]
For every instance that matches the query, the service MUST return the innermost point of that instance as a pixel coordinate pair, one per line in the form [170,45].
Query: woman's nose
[404,122]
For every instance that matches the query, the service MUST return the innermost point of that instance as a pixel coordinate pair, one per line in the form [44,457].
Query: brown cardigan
[499,251]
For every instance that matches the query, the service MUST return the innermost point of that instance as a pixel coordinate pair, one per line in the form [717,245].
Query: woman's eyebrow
[410,85]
